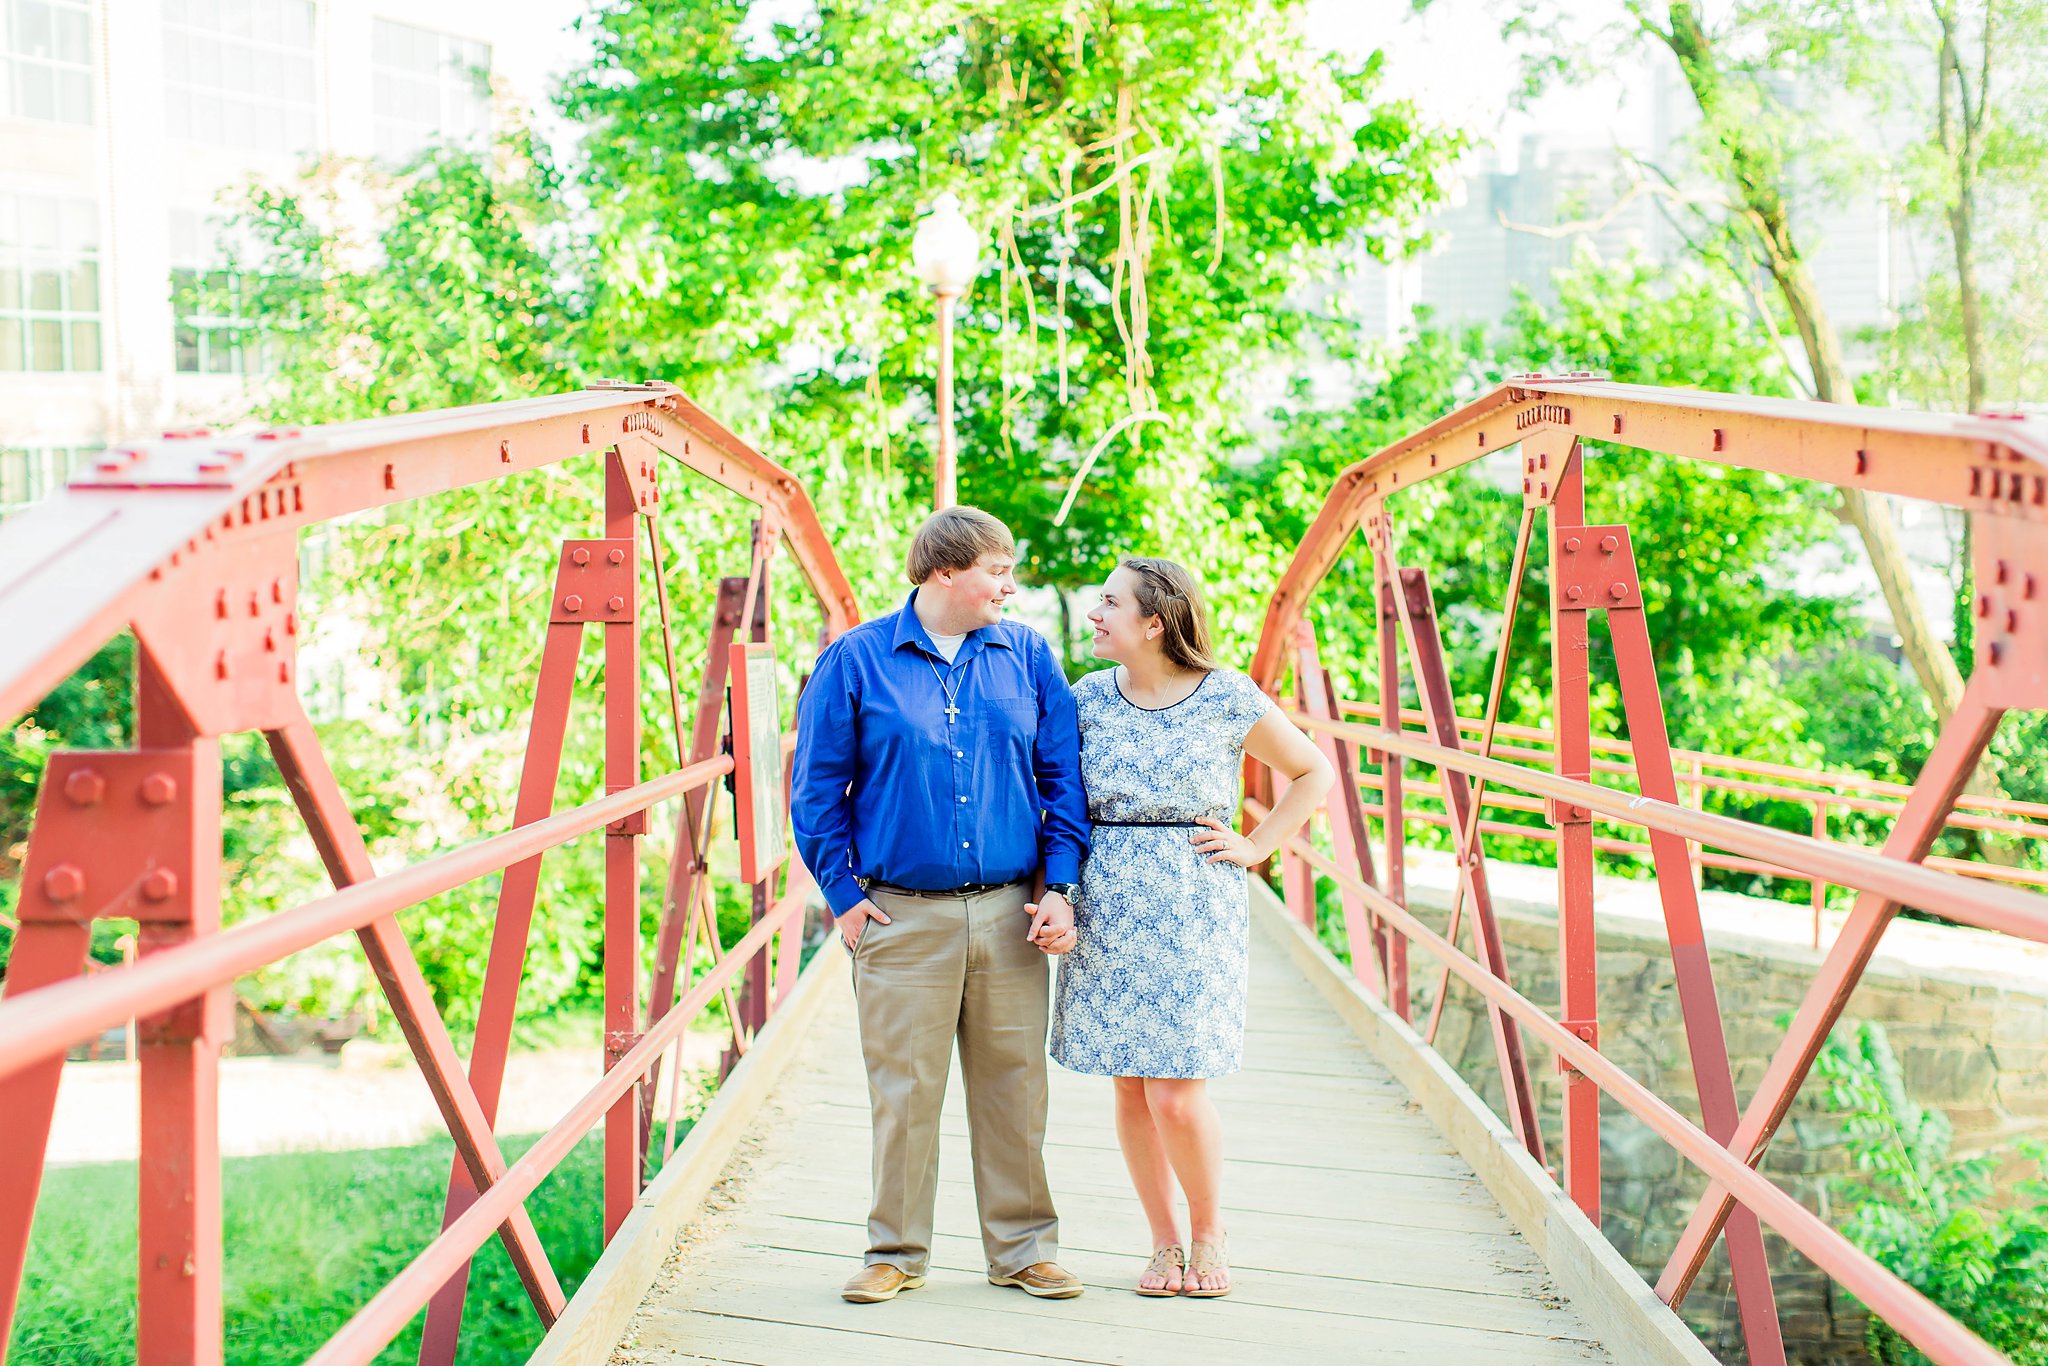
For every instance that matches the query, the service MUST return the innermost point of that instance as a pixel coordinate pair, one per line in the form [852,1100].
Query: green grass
[310,1238]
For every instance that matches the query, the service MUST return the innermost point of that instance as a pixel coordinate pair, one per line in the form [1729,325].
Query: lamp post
[945,251]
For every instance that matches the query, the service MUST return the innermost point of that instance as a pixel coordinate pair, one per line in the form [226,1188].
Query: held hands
[1052,924]
[1224,845]
[855,920]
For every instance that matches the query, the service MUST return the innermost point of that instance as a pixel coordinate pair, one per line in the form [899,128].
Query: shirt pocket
[1011,720]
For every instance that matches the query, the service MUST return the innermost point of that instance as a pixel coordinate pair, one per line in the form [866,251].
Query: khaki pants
[947,968]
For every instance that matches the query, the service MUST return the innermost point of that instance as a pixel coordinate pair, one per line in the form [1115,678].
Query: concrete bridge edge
[598,1315]
[1615,1302]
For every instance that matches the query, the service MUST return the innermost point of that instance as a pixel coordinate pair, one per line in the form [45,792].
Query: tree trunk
[1757,174]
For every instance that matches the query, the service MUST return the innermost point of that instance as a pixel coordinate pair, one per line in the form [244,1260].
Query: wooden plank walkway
[1357,1233]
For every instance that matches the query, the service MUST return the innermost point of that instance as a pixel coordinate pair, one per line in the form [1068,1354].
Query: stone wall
[1967,1014]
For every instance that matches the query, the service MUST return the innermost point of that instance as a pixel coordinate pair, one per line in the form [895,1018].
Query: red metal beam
[43,1024]
[1955,757]
[1986,464]
[152,513]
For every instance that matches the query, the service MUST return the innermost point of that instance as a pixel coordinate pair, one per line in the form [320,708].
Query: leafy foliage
[1926,1214]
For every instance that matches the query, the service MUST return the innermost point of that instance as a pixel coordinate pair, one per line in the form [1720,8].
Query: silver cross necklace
[949,690]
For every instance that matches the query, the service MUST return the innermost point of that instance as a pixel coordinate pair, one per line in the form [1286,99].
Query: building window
[210,308]
[29,473]
[46,59]
[240,73]
[427,86]
[49,283]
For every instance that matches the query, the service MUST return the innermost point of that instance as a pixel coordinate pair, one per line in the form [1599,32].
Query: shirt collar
[910,631]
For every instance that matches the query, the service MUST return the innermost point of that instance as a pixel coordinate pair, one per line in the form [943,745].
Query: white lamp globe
[946,250]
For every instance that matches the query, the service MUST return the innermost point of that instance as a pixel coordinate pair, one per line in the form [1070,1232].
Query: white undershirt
[949,646]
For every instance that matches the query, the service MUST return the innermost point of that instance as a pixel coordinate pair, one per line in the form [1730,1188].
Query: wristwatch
[1070,890]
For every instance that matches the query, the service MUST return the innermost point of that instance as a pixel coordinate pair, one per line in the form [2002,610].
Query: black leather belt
[971,889]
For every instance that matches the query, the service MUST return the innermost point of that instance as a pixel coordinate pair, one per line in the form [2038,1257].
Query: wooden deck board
[1357,1233]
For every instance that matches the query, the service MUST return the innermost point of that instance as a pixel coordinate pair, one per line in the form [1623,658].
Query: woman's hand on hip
[1223,845]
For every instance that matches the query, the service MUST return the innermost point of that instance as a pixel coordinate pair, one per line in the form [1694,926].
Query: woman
[1153,989]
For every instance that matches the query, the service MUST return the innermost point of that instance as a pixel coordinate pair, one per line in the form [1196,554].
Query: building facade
[124,127]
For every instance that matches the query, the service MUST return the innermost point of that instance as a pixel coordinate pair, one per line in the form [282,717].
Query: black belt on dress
[969,889]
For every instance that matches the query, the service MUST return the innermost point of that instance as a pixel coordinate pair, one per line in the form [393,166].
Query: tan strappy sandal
[1166,1259]
[1207,1257]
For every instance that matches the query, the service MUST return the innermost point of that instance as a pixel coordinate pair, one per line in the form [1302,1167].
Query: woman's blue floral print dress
[1155,985]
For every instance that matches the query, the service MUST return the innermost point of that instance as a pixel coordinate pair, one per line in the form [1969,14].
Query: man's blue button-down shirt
[886,788]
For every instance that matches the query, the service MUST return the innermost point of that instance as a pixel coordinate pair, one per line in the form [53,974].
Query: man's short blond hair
[954,539]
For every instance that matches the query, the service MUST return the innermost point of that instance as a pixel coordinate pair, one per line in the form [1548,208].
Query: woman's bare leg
[1150,1172]
[1191,1132]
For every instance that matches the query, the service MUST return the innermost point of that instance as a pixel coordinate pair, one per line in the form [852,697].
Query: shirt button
[965,843]
[959,754]
[963,801]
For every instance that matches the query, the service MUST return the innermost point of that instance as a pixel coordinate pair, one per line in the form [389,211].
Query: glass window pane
[187,341]
[45,344]
[220,354]
[37,90]
[85,287]
[46,289]
[35,29]
[10,286]
[74,97]
[11,357]
[81,224]
[74,37]
[85,346]
[39,223]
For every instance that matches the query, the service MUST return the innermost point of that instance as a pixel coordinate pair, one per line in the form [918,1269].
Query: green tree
[1926,1214]
[1158,182]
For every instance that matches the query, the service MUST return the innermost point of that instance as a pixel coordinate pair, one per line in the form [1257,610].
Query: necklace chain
[949,691]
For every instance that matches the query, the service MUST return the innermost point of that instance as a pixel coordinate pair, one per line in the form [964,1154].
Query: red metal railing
[192,543]
[1822,792]
[1996,470]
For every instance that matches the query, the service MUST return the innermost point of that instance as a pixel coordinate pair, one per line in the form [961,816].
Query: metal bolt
[1983,604]
[616,556]
[586,433]
[255,605]
[270,642]
[1543,461]
[572,603]
[291,623]
[160,885]
[1994,652]
[220,605]
[579,556]
[1545,490]
[615,603]
[277,590]
[284,672]
[1525,487]
[505,452]
[64,883]
[1571,545]
[2012,621]
[1617,424]
[1998,574]
[1617,591]
[159,789]
[1575,592]
[1610,544]
[2027,586]
[220,665]
[85,787]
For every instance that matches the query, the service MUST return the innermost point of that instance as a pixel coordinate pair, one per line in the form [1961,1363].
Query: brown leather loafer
[1043,1279]
[873,1284]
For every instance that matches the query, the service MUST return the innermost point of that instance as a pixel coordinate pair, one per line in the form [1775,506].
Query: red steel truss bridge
[1380,1210]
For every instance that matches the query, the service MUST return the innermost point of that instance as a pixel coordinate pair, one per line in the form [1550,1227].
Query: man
[937,779]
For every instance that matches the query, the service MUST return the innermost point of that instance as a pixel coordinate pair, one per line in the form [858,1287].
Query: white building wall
[189,99]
